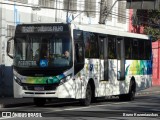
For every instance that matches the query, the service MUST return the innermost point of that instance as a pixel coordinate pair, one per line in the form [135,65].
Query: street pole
[102,11]
[56,12]
[67,11]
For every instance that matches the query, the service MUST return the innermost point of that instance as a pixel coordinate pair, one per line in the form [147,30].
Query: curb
[147,93]
[15,105]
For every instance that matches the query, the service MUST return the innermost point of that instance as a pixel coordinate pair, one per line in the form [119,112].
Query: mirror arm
[8,46]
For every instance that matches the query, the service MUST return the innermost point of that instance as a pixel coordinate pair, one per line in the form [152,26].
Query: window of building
[72,5]
[122,12]
[46,3]
[90,7]
[20,1]
[10,30]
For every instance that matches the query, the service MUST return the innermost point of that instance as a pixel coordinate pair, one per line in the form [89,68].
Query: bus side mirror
[9,47]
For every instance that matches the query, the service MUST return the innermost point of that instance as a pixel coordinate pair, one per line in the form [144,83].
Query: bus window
[79,53]
[148,50]
[101,48]
[78,35]
[141,50]
[135,53]
[128,48]
[111,48]
[91,45]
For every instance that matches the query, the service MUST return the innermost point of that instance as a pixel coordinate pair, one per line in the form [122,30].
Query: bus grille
[41,87]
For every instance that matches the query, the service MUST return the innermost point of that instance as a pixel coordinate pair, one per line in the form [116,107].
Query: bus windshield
[43,50]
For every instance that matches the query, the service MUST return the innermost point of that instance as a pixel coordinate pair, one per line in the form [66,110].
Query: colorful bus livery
[82,62]
[138,67]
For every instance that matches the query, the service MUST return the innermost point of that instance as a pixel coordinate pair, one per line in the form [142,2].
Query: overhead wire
[113,13]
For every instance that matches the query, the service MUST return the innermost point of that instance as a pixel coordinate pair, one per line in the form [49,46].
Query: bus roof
[102,29]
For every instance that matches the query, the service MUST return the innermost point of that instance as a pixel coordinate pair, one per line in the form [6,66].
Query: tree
[150,20]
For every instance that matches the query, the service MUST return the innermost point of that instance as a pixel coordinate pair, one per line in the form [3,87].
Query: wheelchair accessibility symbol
[43,63]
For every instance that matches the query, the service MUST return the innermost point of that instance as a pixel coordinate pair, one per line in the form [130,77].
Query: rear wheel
[131,95]
[39,101]
[87,100]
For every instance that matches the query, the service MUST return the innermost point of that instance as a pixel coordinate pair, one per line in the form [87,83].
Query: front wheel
[40,102]
[87,100]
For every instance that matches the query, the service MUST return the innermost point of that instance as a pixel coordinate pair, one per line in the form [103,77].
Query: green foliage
[150,19]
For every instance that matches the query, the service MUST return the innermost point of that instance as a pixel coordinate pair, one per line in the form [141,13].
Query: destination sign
[27,63]
[31,29]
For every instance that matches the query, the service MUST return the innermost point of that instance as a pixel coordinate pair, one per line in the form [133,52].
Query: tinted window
[128,48]
[148,50]
[78,35]
[135,53]
[91,45]
[111,47]
[79,53]
[141,49]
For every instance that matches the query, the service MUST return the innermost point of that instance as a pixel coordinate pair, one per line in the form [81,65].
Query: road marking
[92,106]
[2,118]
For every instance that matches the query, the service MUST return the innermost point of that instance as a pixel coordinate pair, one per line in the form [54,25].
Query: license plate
[39,88]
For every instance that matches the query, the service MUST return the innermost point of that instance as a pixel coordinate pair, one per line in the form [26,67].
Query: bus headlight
[17,80]
[65,79]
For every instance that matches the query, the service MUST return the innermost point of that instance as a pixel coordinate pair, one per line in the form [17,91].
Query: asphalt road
[143,107]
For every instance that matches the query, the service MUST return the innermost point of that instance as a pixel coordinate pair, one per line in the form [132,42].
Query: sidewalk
[151,90]
[17,102]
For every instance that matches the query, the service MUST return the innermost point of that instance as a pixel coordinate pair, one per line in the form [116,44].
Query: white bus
[99,62]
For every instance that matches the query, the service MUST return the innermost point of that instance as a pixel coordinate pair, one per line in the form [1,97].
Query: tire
[131,95]
[39,102]
[88,97]
[132,92]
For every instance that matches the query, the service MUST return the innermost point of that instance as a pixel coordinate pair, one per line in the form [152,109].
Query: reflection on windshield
[43,51]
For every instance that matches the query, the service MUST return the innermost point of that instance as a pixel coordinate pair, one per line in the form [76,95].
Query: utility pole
[56,12]
[67,11]
[101,12]
[104,12]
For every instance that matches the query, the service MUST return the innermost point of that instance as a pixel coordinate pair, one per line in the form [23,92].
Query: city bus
[100,62]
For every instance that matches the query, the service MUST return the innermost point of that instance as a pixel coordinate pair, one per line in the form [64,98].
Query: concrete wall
[156,65]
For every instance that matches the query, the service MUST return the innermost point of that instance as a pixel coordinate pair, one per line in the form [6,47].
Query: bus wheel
[40,102]
[87,100]
[131,95]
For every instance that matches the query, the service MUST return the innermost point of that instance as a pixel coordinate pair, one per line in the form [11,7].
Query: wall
[156,65]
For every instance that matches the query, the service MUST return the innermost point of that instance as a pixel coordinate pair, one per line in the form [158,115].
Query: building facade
[13,12]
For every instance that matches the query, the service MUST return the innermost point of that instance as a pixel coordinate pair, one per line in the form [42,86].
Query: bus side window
[91,45]
[79,53]
[128,48]
[141,50]
[135,52]
[148,50]
[111,47]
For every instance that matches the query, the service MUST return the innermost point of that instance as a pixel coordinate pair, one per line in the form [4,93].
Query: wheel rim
[88,95]
[132,95]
